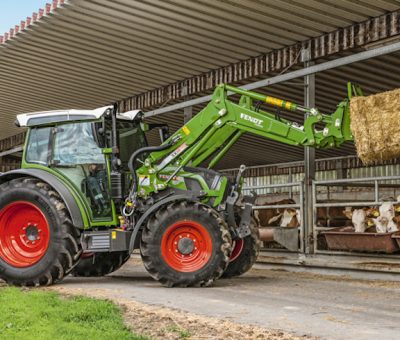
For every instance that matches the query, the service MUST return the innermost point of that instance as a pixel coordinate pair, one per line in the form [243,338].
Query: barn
[166,57]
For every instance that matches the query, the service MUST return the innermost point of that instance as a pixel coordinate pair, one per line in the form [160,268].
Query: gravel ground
[262,304]
[167,323]
[303,304]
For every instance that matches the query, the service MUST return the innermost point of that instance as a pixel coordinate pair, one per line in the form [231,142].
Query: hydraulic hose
[139,152]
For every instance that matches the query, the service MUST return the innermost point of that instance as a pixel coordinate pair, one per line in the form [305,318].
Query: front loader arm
[214,130]
[222,122]
[335,129]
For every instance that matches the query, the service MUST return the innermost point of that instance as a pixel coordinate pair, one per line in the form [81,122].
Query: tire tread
[70,247]
[152,228]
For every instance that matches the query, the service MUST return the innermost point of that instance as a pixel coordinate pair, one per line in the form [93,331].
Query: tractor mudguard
[54,182]
[190,196]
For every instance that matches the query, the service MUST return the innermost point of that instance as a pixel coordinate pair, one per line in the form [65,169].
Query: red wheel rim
[87,255]
[237,249]
[24,234]
[198,244]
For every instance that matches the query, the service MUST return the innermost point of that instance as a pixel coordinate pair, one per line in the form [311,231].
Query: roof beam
[340,40]
[12,151]
[291,75]
[12,141]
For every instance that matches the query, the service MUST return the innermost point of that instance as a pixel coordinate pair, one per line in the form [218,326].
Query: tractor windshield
[75,144]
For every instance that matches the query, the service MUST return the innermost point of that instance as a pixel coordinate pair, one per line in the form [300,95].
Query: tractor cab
[77,146]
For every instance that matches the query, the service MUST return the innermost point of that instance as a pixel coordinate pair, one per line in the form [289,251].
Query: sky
[13,11]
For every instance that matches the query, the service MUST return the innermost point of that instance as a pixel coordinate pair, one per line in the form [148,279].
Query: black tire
[162,224]
[247,256]
[100,264]
[64,248]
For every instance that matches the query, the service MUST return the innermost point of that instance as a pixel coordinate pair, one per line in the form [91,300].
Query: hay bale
[375,126]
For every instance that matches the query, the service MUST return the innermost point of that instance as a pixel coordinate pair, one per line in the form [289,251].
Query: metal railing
[374,183]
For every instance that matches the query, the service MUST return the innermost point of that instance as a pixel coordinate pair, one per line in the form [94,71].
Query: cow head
[359,219]
[290,218]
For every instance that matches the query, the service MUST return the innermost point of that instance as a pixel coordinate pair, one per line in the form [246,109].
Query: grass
[36,314]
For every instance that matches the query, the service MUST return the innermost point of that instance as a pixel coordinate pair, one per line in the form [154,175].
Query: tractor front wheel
[38,243]
[186,244]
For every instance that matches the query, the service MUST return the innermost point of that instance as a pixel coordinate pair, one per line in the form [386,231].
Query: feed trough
[396,237]
[345,238]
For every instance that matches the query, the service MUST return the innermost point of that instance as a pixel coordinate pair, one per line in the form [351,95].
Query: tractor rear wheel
[186,244]
[244,254]
[100,264]
[38,243]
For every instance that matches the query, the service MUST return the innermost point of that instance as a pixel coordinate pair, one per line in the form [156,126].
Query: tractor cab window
[131,138]
[38,150]
[77,155]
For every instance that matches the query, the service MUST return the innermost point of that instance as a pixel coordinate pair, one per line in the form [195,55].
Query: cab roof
[59,116]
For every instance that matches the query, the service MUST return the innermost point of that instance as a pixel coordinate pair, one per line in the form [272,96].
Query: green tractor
[90,191]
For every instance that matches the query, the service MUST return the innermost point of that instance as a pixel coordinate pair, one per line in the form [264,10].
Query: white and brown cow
[383,218]
[277,217]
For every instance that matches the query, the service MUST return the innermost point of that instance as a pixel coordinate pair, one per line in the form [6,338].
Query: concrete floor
[329,307]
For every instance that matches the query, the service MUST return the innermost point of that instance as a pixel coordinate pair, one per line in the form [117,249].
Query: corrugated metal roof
[84,54]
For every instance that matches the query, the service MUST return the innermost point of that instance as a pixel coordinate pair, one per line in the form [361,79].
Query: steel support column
[309,157]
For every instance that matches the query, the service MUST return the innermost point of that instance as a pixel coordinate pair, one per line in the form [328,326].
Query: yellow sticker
[113,235]
[186,130]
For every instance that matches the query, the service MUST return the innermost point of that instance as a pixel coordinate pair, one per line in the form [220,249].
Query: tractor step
[106,240]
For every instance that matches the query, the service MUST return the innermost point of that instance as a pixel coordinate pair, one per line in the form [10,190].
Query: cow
[385,221]
[291,217]
[331,216]
[359,219]
[383,218]
[279,217]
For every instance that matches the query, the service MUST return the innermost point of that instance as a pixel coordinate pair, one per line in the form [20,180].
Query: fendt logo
[255,121]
